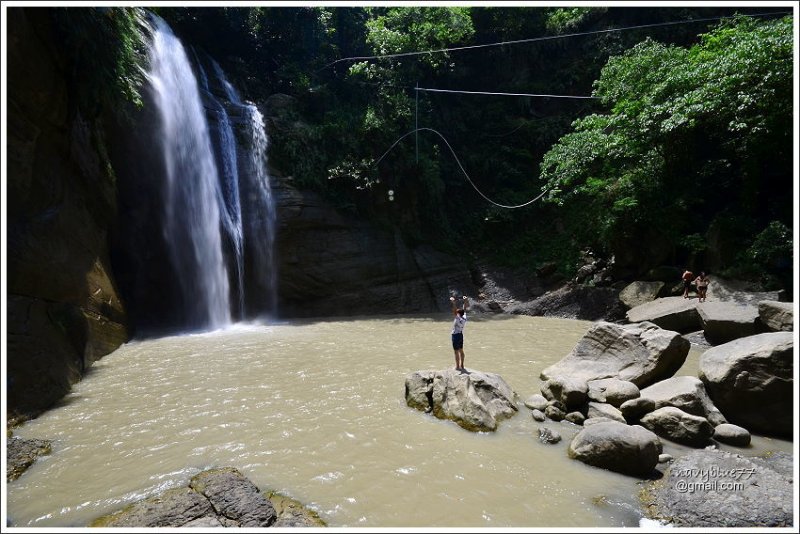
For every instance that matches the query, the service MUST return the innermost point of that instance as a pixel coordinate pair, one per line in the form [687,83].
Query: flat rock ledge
[713,488]
[474,400]
[21,453]
[221,497]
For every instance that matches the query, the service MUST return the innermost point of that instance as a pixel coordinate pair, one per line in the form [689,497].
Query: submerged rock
[473,399]
[21,453]
[292,513]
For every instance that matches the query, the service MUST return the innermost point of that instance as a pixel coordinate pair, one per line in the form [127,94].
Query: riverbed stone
[576,418]
[570,391]
[665,458]
[612,391]
[234,497]
[474,400]
[292,513]
[536,402]
[548,435]
[732,435]
[751,381]
[597,420]
[713,488]
[632,410]
[631,450]
[641,353]
[601,409]
[687,393]
[554,412]
[676,425]
[538,415]
[21,453]
[777,316]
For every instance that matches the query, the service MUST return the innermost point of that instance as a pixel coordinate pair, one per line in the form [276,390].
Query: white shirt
[458,323]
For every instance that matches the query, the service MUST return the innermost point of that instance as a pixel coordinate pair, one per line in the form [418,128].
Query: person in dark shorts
[687,282]
[701,283]
[457,333]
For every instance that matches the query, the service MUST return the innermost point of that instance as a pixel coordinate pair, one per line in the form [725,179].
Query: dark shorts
[687,284]
[458,341]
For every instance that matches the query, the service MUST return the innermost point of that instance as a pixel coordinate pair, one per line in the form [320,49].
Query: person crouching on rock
[459,321]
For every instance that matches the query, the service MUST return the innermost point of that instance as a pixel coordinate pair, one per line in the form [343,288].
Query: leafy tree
[688,132]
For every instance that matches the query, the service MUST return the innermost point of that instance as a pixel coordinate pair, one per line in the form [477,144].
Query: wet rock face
[21,453]
[64,310]
[475,400]
[234,497]
[333,264]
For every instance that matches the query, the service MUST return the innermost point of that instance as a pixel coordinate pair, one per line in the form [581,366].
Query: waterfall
[258,216]
[191,224]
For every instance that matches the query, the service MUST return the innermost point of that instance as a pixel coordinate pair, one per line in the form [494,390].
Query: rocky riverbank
[214,498]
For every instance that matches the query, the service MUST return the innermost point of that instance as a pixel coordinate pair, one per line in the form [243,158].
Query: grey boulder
[631,450]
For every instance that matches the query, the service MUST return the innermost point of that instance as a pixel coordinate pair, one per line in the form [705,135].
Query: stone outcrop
[475,400]
[573,301]
[776,316]
[637,293]
[21,453]
[686,393]
[64,311]
[631,450]
[339,278]
[639,353]
[751,381]
[676,425]
[670,313]
[215,498]
[726,321]
[712,488]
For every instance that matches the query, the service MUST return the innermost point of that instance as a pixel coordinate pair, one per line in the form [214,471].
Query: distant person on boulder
[701,283]
[687,281]
[457,334]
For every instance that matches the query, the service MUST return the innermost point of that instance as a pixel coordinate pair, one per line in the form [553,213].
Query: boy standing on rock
[457,334]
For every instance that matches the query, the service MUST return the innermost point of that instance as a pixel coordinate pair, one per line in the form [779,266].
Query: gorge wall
[63,307]
[87,258]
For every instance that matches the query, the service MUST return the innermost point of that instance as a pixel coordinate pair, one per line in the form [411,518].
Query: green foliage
[563,19]
[107,52]
[772,246]
[686,129]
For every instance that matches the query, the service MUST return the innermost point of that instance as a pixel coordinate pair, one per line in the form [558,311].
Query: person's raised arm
[453,305]
[466,302]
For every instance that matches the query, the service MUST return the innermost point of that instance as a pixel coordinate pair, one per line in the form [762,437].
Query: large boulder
[726,321]
[631,450]
[777,316]
[474,400]
[678,426]
[686,393]
[750,381]
[670,313]
[637,293]
[639,353]
[712,488]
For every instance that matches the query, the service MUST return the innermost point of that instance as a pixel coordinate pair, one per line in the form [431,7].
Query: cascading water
[258,216]
[192,215]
